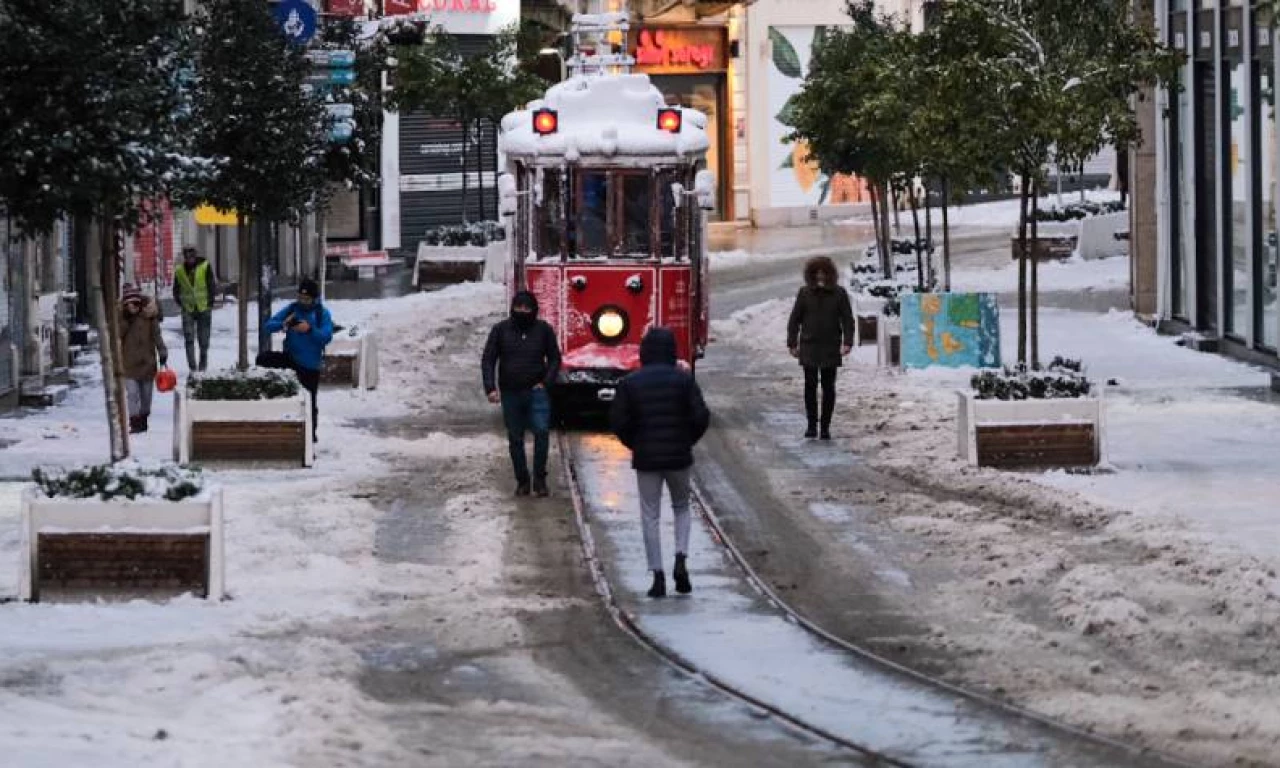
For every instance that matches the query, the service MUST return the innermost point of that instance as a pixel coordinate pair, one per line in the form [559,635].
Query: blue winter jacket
[306,350]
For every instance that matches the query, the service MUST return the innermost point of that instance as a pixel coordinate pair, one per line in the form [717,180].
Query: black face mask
[523,320]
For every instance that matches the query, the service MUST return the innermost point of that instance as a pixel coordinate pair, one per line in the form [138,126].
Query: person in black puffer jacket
[820,335]
[522,350]
[659,414]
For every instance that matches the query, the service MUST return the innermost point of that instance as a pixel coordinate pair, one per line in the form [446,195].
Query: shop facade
[424,168]
[1216,178]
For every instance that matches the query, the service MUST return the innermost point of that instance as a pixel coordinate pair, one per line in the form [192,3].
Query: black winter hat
[525,299]
[309,287]
[658,347]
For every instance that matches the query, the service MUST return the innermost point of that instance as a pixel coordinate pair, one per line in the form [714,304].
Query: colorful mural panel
[954,330]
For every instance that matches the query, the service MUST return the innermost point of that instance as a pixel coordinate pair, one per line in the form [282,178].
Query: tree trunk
[484,215]
[897,221]
[244,245]
[1022,271]
[465,218]
[322,244]
[267,239]
[915,226]
[887,263]
[875,221]
[946,235]
[928,238]
[102,277]
[1035,285]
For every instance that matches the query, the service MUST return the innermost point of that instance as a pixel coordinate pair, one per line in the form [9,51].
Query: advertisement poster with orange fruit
[794,180]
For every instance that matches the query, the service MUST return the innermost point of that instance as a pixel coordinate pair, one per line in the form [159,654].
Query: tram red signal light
[670,120]
[546,122]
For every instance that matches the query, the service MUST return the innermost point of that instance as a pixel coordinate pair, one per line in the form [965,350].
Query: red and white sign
[460,17]
[153,251]
[680,49]
[401,7]
[348,8]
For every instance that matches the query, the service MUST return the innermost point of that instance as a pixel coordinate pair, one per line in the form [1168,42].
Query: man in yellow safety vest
[194,286]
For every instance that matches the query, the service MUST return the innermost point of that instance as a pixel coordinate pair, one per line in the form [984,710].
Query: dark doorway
[1207,209]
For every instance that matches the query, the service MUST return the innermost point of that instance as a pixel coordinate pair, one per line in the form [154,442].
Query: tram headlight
[610,324]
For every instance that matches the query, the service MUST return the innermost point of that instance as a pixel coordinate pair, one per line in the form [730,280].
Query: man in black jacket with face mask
[526,355]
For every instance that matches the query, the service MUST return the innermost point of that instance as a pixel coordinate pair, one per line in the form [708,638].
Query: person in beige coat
[141,345]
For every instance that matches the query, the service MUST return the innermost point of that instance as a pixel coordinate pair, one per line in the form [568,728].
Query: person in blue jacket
[308,329]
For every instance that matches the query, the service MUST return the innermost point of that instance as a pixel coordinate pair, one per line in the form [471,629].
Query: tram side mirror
[507,197]
[705,186]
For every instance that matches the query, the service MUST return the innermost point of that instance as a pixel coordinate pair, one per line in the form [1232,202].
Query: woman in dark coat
[820,334]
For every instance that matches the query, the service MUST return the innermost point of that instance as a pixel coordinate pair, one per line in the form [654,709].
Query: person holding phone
[308,329]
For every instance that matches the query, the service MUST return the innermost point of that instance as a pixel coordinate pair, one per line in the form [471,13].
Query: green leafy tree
[92,129]
[436,77]
[250,110]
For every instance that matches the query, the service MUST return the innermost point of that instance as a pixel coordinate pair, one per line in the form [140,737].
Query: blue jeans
[528,411]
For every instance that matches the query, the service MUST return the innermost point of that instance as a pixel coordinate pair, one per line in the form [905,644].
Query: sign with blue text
[297,20]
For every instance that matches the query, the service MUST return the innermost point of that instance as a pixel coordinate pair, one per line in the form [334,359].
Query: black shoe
[811,432]
[540,489]
[142,422]
[826,434]
[659,588]
[135,425]
[522,489]
[681,576]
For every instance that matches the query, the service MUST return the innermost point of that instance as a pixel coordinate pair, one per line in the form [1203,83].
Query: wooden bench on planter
[1046,247]
[1011,434]
[351,361]
[443,264]
[121,547]
[275,431]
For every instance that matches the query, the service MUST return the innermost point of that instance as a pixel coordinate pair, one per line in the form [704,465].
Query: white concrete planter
[362,350]
[889,341]
[247,426]
[1056,432]
[1095,235]
[866,311]
[200,517]
[455,264]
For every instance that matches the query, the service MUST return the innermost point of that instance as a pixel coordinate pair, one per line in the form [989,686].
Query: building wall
[1217,178]
[1143,249]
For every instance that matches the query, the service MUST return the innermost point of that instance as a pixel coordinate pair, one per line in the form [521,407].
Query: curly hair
[820,265]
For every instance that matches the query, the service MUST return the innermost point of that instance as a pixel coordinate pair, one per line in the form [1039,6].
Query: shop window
[1207,204]
[1266,177]
[1237,158]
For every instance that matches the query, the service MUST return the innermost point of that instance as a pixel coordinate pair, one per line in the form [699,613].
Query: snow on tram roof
[604,116]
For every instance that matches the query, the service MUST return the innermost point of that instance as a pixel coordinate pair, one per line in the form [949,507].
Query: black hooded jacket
[658,411]
[523,357]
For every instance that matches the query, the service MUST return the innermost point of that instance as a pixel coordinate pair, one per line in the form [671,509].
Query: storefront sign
[677,50]
[460,17]
[400,7]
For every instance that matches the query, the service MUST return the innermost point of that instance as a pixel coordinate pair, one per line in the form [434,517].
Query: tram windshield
[594,213]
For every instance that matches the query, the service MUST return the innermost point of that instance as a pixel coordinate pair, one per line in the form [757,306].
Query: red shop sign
[344,7]
[401,7]
[680,49]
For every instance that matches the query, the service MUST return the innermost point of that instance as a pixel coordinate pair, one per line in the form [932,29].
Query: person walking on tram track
[140,345]
[308,329]
[658,412]
[194,286]
[520,363]
[820,335]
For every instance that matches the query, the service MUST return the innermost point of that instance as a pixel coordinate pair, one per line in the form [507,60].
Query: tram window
[593,214]
[637,215]
[666,215]
[550,217]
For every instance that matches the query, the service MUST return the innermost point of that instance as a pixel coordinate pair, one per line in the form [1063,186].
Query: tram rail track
[628,622]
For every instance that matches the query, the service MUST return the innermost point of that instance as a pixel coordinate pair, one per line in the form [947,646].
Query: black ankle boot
[811,431]
[826,434]
[681,575]
[540,488]
[659,588]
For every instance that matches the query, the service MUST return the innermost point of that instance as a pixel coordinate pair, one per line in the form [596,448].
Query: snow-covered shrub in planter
[1092,226]
[461,253]
[258,415]
[1023,418]
[121,529]
[1079,210]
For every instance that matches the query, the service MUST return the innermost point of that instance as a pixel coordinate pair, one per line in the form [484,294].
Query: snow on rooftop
[604,116]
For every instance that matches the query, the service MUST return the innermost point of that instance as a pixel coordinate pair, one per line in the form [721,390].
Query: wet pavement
[731,633]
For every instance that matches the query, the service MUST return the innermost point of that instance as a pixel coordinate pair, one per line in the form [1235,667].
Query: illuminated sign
[400,7]
[680,49]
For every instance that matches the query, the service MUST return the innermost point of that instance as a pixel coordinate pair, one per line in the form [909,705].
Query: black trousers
[812,376]
[309,379]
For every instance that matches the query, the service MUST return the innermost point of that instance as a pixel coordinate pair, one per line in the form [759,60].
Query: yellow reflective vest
[194,291]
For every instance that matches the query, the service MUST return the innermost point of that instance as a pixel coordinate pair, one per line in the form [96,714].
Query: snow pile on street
[1073,274]
[263,678]
[1158,572]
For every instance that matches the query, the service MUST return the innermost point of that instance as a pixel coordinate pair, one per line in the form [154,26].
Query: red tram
[606,210]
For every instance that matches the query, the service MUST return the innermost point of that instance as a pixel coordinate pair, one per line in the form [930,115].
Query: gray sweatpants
[137,395]
[650,486]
